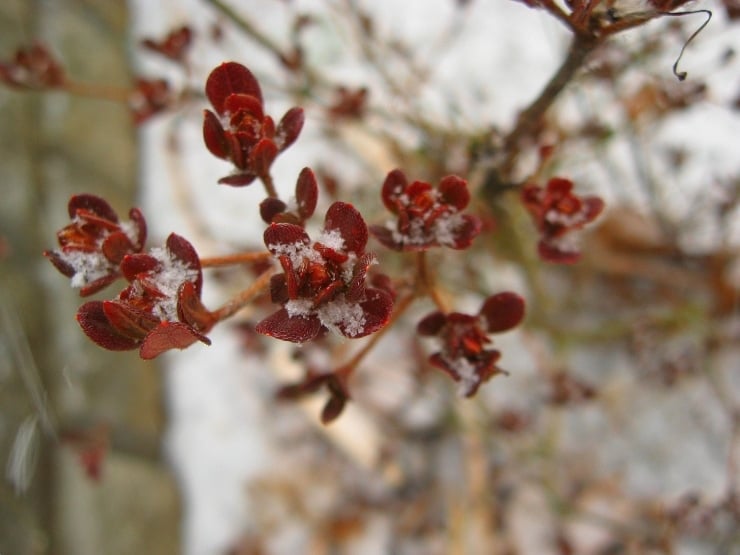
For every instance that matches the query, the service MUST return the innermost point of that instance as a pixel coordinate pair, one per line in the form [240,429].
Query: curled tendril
[681,75]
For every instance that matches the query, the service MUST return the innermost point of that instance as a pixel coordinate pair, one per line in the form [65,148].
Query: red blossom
[559,214]
[426,217]
[239,130]
[149,97]
[464,338]
[159,310]
[33,67]
[174,46]
[93,246]
[323,284]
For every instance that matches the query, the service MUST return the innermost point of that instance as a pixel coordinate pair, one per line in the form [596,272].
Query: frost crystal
[168,278]
[341,314]
[88,266]
[331,238]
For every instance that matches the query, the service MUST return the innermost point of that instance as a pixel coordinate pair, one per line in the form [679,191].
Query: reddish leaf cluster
[149,97]
[33,67]
[464,338]
[559,214]
[240,131]
[274,210]
[159,310]
[93,246]
[323,283]
[335,386]
[174,46]
[349,103]
[426,217]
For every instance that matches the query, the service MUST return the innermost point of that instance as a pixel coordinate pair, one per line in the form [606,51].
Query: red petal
[502,312]
[271,207]
[454,191]
[138,263]
[169,335]
[214,135]
[262,156]
[116,246]
[431,324]
[296,329]
[394,185]
[60,264]
[356,288]
[377,306]
[333,408]
[345,218]
[289,127]
[284,235]
[593,206]
[137,217]
[96,326]
[128,321]
[91,203]
[98,284]
[238,179]
[306,193]
[468,231]
[230,78]
[236,103]
[185,252]
[559,186]
[191,310]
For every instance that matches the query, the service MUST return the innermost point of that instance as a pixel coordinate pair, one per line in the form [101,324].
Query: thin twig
[246,296]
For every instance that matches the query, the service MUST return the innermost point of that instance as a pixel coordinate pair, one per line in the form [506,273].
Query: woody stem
[349,367]
[96,90]
[234,259]
[246,296]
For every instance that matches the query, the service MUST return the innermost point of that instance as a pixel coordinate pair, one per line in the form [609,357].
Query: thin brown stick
[246,296]
[234,259]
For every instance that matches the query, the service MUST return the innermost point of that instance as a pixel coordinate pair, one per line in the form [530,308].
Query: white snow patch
[168,278]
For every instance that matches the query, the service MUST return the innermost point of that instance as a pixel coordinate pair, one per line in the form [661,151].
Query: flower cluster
[463,338]
[559,214]
[426,217]
[93,246]
[322,285]
[33,68]
[240,131]
[159,310]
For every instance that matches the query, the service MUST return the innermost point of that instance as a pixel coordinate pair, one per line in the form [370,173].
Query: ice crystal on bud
[559,215]
[464,337]
[426,217]
[322,286]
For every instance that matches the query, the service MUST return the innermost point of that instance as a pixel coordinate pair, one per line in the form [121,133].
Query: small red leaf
[98,284]
[377,307]
[137,217]
[296,329]
[431,324]
[186,253]
[333,408]
[191,310]
[96,326]
[345,218]
[277,235]
[238,106]
[271,207]
[551,253]
[91,203]
[137,263]
[128,321]
[169,335]
[289,127]
[262,156]
[238,179]
[502,311]
[214,135]
[393,186]
[454,191]
[116,246]
[306,193]
[230,78]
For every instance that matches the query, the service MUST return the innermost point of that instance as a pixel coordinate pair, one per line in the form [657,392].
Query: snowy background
[229,443]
